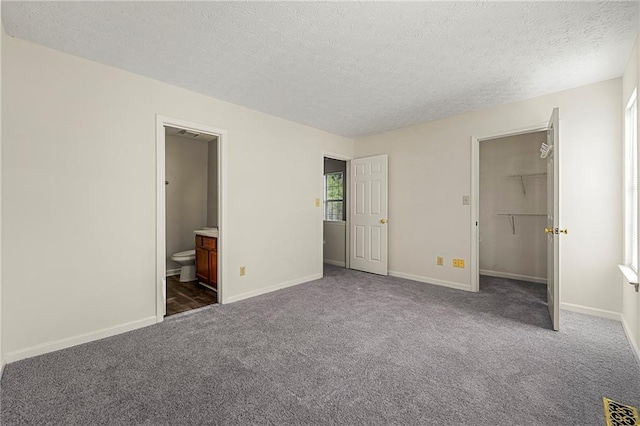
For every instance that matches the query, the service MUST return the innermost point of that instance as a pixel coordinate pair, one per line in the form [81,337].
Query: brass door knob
[563,231]
[383,221]
[548,230]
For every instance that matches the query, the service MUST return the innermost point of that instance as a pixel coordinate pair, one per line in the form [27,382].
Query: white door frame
[161,243]
[345,196]
[475,193]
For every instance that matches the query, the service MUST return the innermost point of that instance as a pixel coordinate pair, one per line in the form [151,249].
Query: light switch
[465,200]
[317,202]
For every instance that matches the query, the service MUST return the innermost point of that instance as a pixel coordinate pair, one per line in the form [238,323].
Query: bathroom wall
[212,185]
[334,245]
[503,253]
[186,193]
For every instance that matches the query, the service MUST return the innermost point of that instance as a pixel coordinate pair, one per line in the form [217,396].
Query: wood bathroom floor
[183,297]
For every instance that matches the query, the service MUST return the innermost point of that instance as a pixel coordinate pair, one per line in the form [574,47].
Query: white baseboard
[334,262]
[519,277]
[172,272]
[1,368]
[419,278]
[631,339]
[77,340]
[591,311]
[269,289]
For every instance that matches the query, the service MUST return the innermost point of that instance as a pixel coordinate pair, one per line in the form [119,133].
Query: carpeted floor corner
[351,348]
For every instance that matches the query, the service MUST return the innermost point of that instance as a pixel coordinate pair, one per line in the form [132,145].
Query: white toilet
[187,261]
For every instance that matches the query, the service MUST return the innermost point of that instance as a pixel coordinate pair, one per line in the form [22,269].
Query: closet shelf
[521,214]
[526,175]
[529,175]
[512,217]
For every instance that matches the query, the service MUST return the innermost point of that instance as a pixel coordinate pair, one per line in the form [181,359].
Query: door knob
[555,231]
[383,221]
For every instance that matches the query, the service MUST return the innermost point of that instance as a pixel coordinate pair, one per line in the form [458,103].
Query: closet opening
[512,213]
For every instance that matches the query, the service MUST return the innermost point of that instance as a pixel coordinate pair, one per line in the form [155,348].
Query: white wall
[630,299]
[429,172]
[212,185]
[332,165]
[334,250]
[503,253]
[85,206]
[2,359]
[186,195]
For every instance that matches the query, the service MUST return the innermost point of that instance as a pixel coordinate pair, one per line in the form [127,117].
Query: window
[631,184]
[333,196]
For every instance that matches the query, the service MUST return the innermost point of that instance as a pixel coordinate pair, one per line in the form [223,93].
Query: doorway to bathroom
[191,198]
[189,216]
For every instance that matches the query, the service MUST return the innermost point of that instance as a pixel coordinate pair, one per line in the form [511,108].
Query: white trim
[78,340]
[274,287]
[345,196]
[630,338]
[335,263]
[162,122]
[335,222]
[474,216]
[1,368]
[519,277]
[629,274]
[474,269]
[207,286]
[172,272]
[591,311]
[434,281]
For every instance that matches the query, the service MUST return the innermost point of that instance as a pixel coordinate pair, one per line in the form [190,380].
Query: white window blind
[631,119]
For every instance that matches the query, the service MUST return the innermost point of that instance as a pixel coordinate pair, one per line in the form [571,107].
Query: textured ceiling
[349,68]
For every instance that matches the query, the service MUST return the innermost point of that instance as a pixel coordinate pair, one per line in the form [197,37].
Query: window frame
[326,200]
[631,229]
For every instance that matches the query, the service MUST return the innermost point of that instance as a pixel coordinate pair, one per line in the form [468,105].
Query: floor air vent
[617,414]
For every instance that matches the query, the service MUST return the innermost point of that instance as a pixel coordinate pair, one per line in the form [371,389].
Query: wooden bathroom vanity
[207,260]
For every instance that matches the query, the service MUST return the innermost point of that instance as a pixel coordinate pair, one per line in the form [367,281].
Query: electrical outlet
[440,261]
[458,263]
[243,271]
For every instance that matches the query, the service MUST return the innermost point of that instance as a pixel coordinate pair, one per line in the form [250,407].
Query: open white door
[368,218]
[553,217]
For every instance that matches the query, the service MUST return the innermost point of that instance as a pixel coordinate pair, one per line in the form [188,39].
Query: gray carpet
[351,348]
